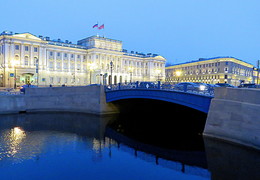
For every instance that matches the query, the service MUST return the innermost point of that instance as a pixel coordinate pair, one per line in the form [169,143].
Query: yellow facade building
[212,70]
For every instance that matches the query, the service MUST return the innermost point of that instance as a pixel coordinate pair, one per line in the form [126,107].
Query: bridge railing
[192,88]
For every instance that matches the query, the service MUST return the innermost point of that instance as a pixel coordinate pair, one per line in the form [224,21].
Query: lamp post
[158,71]
[111,69]
[178,74]
[92,67]
[37,71]
[14,63]
[257,78]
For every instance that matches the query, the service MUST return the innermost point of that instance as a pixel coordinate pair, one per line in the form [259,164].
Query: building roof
[207,59]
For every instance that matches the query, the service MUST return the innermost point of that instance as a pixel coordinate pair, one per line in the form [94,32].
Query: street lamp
[111,69]
[158,71]
[14,63]
[131,73]
[92,67]
[178,74]
[37,70]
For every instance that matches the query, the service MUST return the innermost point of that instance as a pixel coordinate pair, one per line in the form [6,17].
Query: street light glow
[178,73]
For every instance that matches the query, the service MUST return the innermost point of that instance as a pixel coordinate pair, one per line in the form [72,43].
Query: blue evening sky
[179,30]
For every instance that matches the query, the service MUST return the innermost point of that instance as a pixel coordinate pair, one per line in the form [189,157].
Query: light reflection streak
[14,139]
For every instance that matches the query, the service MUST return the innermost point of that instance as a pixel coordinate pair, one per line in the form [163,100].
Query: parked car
[224,85]
[185,86]
[253,85]
[93,85]
[167,86]
[23,87]
[191,87]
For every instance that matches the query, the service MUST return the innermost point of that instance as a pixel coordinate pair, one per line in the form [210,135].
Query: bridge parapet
[194,99]
[186,88]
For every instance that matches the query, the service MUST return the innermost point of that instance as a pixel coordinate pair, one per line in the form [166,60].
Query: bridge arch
[195,101]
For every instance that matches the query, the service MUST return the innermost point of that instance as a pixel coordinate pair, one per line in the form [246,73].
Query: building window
[51,79]
[58,65]
[65,65]
[51,53]
[72,66]
[35,49]
[65,55]
[16,57]
[17,47]
[26,60]
[72,56]
[26,48]
[59,79]
[51,65]
[58,54]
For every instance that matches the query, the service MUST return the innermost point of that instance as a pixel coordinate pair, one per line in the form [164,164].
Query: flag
[96,25]
[101,27]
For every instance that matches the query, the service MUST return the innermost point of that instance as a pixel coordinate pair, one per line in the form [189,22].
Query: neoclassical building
[26,58]
[212,70]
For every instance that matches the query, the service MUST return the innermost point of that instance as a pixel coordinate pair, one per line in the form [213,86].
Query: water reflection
[188,162]
[76,146]
[27,136]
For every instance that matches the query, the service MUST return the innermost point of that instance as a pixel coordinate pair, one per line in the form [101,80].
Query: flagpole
[97,29]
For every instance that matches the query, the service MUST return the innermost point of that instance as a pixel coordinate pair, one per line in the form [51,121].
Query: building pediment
[160,58]
[27,36]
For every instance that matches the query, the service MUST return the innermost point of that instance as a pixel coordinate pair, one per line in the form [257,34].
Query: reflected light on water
[14,138]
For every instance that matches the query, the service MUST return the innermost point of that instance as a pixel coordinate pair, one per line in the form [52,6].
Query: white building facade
[25,58]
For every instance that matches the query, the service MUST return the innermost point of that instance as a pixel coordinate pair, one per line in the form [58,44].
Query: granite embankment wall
[88,99]
[234,116]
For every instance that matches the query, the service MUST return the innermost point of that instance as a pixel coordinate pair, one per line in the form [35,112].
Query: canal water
[75,146]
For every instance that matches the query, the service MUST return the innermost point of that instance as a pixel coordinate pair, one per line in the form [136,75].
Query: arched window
[16,57]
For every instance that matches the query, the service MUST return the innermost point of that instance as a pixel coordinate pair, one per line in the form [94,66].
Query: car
[93,85]
[253,85]
[23,87]
[185,86]
[224,85]
[167,86]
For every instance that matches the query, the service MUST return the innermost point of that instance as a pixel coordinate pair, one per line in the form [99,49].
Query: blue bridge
[192,97]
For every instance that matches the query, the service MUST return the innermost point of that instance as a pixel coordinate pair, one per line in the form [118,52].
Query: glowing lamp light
[92,66]
[178,73]
[14,62]
[202,87]
[130,69]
